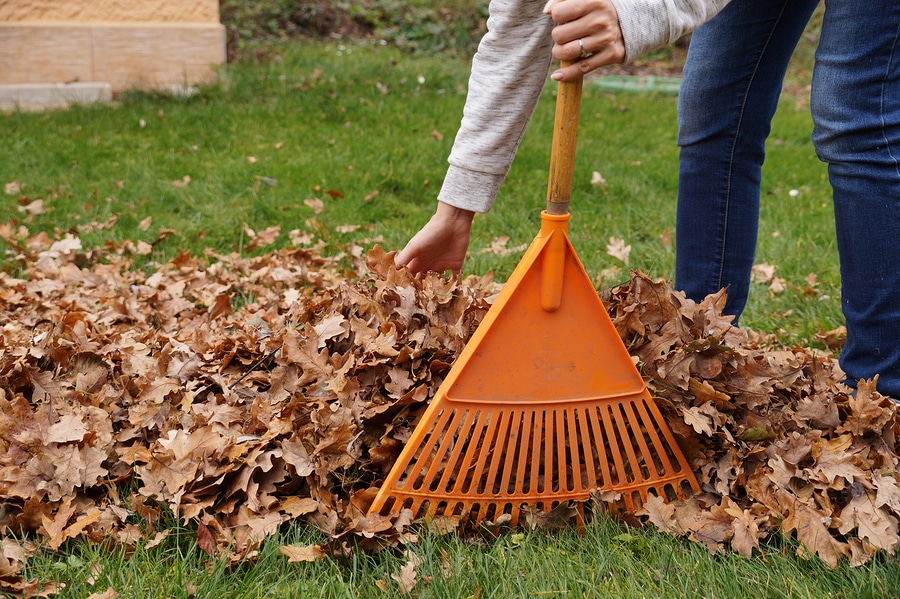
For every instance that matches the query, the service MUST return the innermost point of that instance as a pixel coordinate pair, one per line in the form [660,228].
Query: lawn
[333,148]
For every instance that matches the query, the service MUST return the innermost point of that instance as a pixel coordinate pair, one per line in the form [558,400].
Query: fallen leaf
[661,514]
[205,539]
[762,273]
[308,553]
[407,577]
[778,285]
[70,428]
[617,249]
[33,208]
[316,204]
[813,534]
[745,530]
[331,327]
[560,516]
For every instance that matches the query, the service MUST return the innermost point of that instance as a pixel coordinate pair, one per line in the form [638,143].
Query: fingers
[602,46]
[441,244]
[587,34]
[582,66]
[404,257]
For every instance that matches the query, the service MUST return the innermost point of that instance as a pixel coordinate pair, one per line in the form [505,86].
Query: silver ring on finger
[584,53]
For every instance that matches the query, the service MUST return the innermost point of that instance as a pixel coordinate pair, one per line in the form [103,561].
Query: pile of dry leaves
[124,394]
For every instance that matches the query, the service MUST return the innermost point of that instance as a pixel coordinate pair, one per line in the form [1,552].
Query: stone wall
[117,11]
[123,43]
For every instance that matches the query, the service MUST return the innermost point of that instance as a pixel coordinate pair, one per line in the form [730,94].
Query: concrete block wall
[122,44]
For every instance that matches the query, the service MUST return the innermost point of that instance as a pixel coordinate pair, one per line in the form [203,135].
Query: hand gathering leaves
[123,394]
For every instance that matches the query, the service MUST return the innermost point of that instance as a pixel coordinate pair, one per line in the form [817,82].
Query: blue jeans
[732,80]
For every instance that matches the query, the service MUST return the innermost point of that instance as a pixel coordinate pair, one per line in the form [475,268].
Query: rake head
[483,461]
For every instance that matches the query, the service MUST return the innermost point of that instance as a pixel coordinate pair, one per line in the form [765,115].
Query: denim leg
[732,81]
[855,104]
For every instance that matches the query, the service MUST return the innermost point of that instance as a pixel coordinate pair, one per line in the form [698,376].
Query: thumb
[404,257]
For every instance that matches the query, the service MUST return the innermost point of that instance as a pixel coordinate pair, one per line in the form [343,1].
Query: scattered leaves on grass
[309,553]
[597,179]
[262,238]
[765,273]
[618,249]
[499,247]
[316,204]
[124,394]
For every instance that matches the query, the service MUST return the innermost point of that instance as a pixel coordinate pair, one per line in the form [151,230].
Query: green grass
[605,561]
[313,121]
[316,118]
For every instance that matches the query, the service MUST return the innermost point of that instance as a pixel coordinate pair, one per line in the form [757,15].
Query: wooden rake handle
[555,219]
[562,151]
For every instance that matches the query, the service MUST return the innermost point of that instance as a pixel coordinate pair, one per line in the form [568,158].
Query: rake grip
[562,151]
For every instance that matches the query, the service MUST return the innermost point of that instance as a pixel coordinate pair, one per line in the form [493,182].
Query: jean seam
[731,157]
[884,82]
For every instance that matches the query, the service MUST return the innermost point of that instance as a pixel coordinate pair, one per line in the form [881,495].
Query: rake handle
[562,150]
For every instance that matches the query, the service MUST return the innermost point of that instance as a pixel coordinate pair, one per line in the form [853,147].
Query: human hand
[587,34]
[441,244]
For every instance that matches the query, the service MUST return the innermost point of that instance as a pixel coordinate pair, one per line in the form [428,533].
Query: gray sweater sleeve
[508,73]
[650,24]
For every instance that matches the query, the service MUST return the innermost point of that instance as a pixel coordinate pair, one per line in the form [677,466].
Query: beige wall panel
[125,11]
[148,56]
[126,56]
[45,53]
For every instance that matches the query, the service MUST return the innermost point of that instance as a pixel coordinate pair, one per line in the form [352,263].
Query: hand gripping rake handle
[562,152]
[555,219]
